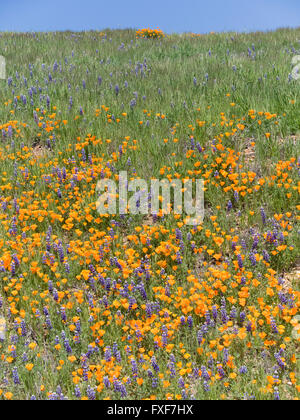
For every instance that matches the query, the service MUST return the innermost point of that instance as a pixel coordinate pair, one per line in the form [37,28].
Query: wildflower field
[149,307]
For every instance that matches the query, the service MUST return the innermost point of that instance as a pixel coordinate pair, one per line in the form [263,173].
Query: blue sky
[199,16]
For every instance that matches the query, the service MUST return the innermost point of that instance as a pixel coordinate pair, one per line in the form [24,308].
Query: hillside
[149,306]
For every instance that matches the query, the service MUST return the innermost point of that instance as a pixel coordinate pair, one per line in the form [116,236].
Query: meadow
[148,307]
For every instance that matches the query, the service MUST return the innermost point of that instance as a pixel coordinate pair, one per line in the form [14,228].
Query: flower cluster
[150,33]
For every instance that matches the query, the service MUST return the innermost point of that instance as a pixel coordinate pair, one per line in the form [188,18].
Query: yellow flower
[8,395]
[32,346]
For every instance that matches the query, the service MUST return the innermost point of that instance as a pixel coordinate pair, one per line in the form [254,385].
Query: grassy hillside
[135,307]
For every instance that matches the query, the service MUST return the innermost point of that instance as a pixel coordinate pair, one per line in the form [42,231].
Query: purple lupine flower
[148,310]
[61,253]
[215,312]
[123,390]
[207,318]
[90,392]
[143,291]
[276,394]
[224,316]
[77,392]
[50,286]
[106,382]
[274,326]
[23,329]
[15,375]
[199,337]
[233,313]
[240,261]
[107,354]
[252,259]
[225,355]
[200,150]
[67,346]
[134,367]
[243,370]
[266,256]
[221,371]
[154,382]
[178,234]
[13,268]
[154,364]
[255,242]
[24,357]
[48,323]
[63,314]
[115,348]
[242,317]
[132,103]
[204,373]
[181,382]
[243,280]
[179,258]
[229,206]
[263,215]
[279,359]
[171,366]
[164,336]
[192,143]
